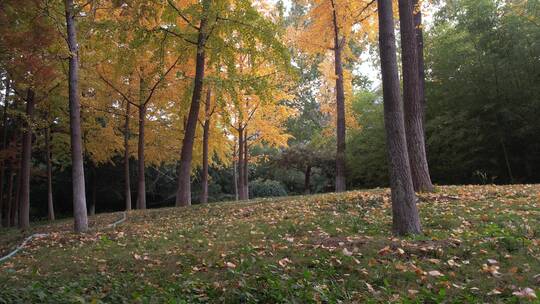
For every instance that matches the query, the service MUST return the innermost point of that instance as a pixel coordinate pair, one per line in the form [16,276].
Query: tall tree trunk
[3,204]
[50,205]
[141,188]
[15,203]
[413,109]
[26,159]
[420,52]
[92,207]
[10,214]
[246,166]
[79,192]
[127,186]
[405,219]
[206,135]
[183,195]
[241,172]
[307,180]
[340,105]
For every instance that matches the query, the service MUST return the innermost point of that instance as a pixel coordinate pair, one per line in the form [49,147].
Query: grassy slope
[322,248]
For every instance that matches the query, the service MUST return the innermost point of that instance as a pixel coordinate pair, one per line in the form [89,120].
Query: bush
[266,188]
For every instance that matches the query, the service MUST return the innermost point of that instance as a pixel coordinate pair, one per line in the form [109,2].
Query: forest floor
[480,244]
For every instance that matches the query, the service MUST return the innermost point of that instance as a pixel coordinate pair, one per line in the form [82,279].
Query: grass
[481,244]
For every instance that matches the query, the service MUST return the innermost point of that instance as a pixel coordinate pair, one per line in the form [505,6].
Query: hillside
[481,244]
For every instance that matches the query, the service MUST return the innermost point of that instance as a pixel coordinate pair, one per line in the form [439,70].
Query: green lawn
[481,244]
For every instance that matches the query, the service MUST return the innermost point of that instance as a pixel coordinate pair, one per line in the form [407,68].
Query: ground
[480,244]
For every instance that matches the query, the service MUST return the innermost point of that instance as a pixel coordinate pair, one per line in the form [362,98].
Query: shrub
[266,188]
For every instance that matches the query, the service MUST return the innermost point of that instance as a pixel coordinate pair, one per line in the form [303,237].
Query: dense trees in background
[182,101]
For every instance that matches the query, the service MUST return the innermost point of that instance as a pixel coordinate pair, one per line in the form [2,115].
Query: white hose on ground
[28,239]
[37,235]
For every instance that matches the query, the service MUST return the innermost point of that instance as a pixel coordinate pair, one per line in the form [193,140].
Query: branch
[117,90]
[177,35]
[160,80]
[182,16]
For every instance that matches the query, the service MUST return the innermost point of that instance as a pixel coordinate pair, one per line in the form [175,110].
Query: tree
[405,219]
[206,124]
[411,94]
[183,196]
[79,192]
[331,27]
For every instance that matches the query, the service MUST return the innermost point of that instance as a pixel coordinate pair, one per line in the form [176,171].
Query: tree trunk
[307,180]
[405,219]
[206,135]
[26,159]
[241,172]
[246,166]
[3,204]
[340,106]
[127,186]
[413,109]
[141,188]
[183,195]
[92,208]
[50,205]
[420,52]
[79,192]
[10,214]
[15,202]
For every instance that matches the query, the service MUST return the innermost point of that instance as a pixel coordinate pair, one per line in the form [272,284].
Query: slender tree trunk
[420,52]
[307,180]
[241,172]
[235,180]
[3,204]
[17,202]
[79,192]
[246,166]
[92,208]
[340,105]
[183,195]
[413,109]
[10,208]
[405,219]
[50,205]
[506,159]
[141,189]
[235,175]
[206,135]
[127,186]
[26,159]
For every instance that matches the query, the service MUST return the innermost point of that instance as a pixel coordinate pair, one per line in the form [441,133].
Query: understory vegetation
[481,244]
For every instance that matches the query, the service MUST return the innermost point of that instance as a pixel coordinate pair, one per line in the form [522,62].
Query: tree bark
[340,105]
[10,214]
[50,204]
[79,192]
[246,166]
[235,175]
[307,180]
[413,109]
[3,203]
[26,159]
[241,172]
[15,208]
[420,52]
[405,219]
[183,195]
[206,135]
[141,188]
[92,208]
[127,186]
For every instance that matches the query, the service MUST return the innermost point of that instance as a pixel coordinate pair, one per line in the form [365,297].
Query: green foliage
[266,188]
[366,147]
